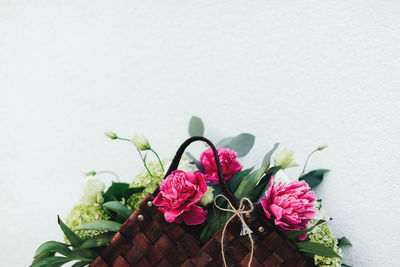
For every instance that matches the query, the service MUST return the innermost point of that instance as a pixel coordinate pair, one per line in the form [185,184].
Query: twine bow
[239,212]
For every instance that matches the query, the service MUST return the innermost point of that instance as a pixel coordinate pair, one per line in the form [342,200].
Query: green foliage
[316,249]
[119,191]
[293,235]
[314,178]
[196,126]
[249,182]
[344,242]
[235,180]
[267,157]
[75,240]
[117,207]
[241,143]
[101,225]
[98,241]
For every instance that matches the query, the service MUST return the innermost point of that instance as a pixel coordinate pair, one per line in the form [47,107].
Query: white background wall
[304,73]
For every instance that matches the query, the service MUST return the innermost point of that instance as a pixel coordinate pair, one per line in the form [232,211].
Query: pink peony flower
[291,205]
[230,166]
[178,194]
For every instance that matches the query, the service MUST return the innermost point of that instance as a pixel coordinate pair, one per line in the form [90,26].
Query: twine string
[239,212]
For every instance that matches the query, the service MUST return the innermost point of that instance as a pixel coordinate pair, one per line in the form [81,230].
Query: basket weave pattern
[154,242]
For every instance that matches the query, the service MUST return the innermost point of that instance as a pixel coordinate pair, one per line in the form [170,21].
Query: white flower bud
[140,142]
[284,159]
[111,135]
[207,197]
[91,188]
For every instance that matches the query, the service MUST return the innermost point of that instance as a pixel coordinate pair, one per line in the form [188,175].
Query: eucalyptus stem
[159,160]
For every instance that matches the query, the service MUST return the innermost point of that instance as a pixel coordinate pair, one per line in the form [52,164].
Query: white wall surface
[304,73]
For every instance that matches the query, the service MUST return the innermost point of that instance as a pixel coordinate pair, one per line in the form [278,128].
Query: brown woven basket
[146,239]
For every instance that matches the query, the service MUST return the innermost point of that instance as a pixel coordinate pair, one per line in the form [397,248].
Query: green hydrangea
[324,235]
[83,213]
[144,179]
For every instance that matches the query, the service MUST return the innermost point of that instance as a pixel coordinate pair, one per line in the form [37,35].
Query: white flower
[207,197]
[91,188]
[284,159]
[140,142]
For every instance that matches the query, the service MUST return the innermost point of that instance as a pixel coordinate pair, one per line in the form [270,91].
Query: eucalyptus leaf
[316,249]
[54,261]
[344,242]
[118,208]
[100,225]
[267,157]
[55,247]
[314,178]
[75,240]
[241,143]
[293,235]
[98,241]
[196,126]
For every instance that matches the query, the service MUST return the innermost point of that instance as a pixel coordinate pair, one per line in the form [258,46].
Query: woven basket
[146,239]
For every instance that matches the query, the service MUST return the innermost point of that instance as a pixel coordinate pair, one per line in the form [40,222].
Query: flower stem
[124,139]
[159,160]
[141,156]
[309,156]
[144,162]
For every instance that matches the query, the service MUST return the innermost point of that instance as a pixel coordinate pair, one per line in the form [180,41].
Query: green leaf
[100,225]
[54,261]
[262,184]
[316,249]
[267,157]
[195,161]
[98,241]
[196,126]
[87,253]
[215,220]
[249,182]
[75,240]
[118,208]
[344,242]
[234,182]
[80,264]
[314,178]
[132,190]
[117,190]
[241,143]
[53,247]
[43,256]
[293,235]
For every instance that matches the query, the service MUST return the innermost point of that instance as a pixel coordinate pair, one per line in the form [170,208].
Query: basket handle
[175,162]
